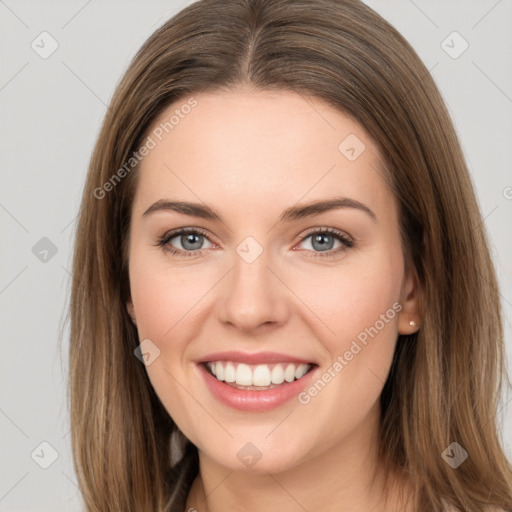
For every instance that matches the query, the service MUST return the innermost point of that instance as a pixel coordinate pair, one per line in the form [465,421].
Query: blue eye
[324,238]
[191,239]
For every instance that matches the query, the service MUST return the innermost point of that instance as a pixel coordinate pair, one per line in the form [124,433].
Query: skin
[249,155]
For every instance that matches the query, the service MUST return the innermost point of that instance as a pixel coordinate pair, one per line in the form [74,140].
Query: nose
[253,296]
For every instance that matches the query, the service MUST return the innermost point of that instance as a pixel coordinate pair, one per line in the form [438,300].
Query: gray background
[51,113]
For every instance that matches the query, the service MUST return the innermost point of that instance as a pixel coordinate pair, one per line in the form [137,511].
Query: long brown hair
[445,381]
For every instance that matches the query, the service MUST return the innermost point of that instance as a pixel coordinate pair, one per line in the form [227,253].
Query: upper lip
[255,358]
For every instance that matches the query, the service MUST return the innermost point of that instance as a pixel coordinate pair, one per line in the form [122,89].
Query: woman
[283,297]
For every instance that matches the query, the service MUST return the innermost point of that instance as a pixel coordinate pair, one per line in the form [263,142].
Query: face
[264,285]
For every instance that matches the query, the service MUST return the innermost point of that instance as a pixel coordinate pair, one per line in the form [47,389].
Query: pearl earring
[412,323]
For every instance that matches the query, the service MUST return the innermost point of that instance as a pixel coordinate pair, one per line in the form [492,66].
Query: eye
[323,239]
[191,239]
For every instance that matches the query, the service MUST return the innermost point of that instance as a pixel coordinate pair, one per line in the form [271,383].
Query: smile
[261,376]
[256,388]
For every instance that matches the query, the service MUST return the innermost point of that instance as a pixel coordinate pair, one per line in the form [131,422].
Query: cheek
[351,298]
[165,299]
[358,305]
[165,303]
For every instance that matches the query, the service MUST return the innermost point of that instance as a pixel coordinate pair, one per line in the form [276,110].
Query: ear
[409,318]
[131,311]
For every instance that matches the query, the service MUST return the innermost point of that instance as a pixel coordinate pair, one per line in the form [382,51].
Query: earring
[412,323]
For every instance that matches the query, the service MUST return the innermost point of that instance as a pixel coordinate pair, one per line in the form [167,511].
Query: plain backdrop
[52,106]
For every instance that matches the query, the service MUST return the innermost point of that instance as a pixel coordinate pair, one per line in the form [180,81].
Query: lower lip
[251,400]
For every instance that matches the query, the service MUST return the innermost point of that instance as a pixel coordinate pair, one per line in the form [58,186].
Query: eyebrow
[290,214]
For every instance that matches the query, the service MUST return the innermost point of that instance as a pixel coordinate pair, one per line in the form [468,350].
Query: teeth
[243,375]
[229,373]
[277,374]
[261,375]
[301,370]
[289,373]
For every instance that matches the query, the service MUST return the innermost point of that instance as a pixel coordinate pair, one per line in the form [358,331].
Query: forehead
[246,149]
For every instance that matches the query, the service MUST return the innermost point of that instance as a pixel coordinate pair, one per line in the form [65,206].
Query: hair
[445,381]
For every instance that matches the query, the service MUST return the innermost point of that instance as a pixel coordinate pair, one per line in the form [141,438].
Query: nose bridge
[253,295]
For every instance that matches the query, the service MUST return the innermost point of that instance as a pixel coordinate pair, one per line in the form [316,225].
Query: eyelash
[343,238]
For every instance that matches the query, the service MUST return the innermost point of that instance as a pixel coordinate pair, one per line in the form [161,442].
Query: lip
[251,400]
[256,358]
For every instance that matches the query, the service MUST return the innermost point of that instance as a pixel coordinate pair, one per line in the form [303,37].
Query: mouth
[256,387]
[261,377]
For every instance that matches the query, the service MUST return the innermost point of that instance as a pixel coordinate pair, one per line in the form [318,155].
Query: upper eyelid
[331,231]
